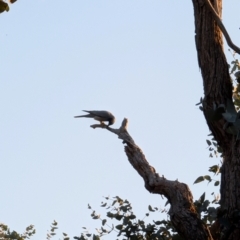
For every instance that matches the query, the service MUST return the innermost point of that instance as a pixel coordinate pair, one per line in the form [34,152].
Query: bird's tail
[87,115]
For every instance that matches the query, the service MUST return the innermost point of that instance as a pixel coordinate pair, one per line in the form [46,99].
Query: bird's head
[111,121]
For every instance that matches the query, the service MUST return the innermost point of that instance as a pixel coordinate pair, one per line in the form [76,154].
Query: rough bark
[182,211]
[218,90]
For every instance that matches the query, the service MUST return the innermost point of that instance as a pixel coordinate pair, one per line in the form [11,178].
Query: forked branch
[182,212]
[222,27]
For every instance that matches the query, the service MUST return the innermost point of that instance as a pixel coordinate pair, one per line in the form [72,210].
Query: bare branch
[182,212]
[222,27]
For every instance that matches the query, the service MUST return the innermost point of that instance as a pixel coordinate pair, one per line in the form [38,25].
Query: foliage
[4,6]
[128,226]
[230,114]
[7,234]
[52,232]
[131,228]
[235,77]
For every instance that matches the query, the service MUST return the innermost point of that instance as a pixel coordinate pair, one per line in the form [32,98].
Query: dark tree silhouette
[224,123]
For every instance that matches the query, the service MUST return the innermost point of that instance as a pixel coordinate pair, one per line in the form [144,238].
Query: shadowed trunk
[218,90]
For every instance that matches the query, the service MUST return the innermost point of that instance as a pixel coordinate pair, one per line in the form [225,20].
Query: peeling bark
[182,211]
[218,90]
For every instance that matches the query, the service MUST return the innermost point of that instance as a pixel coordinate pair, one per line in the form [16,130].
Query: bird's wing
[102,114]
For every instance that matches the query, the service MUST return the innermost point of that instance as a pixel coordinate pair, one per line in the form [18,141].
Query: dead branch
[182,211]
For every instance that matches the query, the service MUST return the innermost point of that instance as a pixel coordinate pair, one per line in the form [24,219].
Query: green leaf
[219,149]
[230,107]
[150,208]
[216,183]
[207,177]
[3,6]
[104,221]
[126,220]
[118,217]
[231,118]
[119,200]
[208,142]
[140,222]
[124,208]
[199,179]
[202,198]
[234,68]
[110,215]
[158,222]
[96,237]
[119,227]
[215,169]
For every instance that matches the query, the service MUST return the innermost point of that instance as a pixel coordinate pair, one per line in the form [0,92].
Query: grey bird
[101,116]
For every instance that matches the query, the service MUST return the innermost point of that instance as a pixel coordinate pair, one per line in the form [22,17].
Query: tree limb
[222,27]
[182,212]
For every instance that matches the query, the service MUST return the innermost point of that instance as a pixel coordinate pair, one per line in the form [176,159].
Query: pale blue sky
[134,58]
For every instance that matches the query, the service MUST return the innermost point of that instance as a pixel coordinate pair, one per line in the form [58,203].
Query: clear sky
[134,58]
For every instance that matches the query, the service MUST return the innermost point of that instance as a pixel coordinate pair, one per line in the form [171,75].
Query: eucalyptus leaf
[208,142]
[3,6]
[216,183]
[230,107]
[229,117]
[119,227]
[202,198]
[150,208]
[104,221]
[199,179]
[207,177]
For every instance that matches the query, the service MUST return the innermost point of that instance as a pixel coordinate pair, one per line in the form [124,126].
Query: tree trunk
[182,211]
[218,90]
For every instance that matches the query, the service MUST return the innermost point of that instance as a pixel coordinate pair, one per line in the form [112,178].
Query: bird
[101,116]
